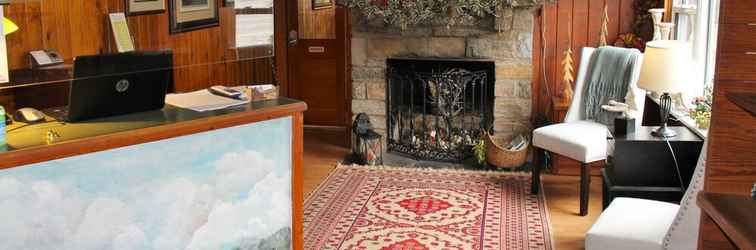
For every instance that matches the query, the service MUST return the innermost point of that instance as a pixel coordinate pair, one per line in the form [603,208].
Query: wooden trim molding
[297,176]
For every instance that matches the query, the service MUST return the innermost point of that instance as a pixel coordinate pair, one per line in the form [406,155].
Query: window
[254,23]
[696,22]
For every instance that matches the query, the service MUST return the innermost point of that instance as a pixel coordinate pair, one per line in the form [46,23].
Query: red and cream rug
[407,209]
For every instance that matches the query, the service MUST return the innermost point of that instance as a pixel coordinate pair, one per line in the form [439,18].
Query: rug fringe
[339,165]
[427,169]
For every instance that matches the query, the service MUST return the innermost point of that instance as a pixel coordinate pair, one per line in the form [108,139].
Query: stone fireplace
[509,48]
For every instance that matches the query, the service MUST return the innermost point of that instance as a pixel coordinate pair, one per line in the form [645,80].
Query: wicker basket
[500,157]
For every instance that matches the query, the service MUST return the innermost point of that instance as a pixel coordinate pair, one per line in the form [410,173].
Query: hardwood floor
[323,149]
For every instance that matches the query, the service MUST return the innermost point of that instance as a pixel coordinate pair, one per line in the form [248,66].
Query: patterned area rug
[407,209]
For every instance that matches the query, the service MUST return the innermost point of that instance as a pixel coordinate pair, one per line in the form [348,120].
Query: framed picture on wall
[188,15]
[321,4]
[228,3]
[144,7]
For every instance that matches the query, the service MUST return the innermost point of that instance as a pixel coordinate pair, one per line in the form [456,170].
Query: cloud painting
[224,189]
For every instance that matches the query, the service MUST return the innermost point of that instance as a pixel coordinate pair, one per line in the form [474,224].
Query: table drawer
[738,11]
[738,66]
[738,38]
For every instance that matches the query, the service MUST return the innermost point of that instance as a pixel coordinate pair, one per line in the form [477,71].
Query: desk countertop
[27,143]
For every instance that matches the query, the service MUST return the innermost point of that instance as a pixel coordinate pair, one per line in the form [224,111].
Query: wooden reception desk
[28,145]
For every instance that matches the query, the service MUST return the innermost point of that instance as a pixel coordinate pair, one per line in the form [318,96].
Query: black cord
[677,166]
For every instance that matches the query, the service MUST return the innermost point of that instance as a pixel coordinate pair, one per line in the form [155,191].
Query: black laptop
[117,84]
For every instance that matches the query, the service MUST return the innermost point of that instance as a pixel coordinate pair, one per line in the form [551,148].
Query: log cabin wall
[570,24]
[80,27]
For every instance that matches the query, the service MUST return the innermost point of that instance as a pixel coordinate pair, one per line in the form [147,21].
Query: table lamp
[666,69]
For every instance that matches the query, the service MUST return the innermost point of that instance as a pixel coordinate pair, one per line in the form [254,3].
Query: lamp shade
[9,26]
[667,66]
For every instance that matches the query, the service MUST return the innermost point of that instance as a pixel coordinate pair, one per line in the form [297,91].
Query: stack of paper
[202,100]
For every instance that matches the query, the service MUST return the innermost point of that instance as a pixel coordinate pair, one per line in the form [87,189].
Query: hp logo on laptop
[122,85]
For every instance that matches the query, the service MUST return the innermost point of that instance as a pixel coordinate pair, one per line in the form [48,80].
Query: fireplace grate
[438,109]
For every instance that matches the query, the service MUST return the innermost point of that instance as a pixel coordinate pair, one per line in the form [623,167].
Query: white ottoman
[632,224]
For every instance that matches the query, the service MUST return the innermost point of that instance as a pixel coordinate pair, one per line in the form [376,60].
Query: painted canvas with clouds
[224,189]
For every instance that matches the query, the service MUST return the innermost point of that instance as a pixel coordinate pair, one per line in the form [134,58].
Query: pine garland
[404,13]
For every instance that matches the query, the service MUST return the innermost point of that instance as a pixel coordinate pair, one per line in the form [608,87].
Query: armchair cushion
[584,141]
[630,223]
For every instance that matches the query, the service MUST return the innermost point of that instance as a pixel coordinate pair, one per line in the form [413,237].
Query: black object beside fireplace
[437,109]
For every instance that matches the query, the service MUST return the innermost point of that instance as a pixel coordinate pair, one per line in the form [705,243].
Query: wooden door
[317,56]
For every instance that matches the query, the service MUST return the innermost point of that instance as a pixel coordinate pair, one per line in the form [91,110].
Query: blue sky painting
[224,189]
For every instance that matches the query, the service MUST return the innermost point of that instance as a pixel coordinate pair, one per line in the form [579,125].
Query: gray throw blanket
[609,75]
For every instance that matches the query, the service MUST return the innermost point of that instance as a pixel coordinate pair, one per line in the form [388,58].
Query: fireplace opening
[437,109]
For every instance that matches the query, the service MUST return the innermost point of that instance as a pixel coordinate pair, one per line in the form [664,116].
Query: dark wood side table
[642,165]
[734,214]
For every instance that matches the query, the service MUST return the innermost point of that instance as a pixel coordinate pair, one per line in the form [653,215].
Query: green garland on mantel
[404,13]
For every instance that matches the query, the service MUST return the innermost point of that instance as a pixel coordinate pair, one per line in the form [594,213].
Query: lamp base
[664,132]
[665,107]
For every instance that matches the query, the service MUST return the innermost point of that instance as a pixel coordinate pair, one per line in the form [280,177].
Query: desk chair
[577,138]
[630,223]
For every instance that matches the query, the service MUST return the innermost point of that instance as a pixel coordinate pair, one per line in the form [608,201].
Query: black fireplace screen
[438,109]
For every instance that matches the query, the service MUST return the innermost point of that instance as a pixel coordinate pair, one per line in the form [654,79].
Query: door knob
[293,38]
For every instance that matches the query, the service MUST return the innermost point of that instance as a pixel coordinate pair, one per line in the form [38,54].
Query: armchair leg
[585,188]
[536,172]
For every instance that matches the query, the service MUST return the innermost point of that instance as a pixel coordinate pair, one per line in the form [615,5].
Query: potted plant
[701,112]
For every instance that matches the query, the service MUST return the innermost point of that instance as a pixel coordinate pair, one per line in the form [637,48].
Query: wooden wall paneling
[579,36]
[563,41]
[54,31]
[87,31]
[228,56]
[537,86]
[550,58]
[81,27]
[595,13]
[626,16]
[280,44]
[613,9]
[585,18]
[316,24]
[216,69]
[28,16]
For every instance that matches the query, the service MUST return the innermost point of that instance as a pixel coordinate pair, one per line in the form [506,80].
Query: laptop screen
[116,84]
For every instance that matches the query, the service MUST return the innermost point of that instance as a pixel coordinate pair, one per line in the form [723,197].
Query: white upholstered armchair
[580,139]
[630,223]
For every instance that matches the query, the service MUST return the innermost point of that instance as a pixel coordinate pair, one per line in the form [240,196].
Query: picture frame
[228,3]
[322,4]
[189,15]
[144,7]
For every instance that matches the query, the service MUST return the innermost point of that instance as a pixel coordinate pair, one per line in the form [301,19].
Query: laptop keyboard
[59,113]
